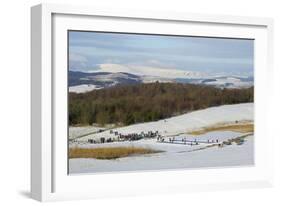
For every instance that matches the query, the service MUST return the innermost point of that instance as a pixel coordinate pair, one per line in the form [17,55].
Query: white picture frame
[49,179]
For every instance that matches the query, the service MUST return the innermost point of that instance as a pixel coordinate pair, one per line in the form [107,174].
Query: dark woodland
[130,104]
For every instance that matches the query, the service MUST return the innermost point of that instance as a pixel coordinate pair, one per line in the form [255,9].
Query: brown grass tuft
[243,128]
[109,152]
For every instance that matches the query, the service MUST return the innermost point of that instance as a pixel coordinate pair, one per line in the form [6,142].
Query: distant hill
[101,79]
[80,82]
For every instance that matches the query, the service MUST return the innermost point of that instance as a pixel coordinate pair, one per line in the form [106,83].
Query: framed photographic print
[135,102]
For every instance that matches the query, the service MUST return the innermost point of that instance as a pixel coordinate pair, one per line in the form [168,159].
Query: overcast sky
[87,50]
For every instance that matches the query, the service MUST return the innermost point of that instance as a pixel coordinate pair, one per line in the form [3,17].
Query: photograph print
[150,102]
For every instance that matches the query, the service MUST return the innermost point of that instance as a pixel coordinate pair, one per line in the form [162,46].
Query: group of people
[125,137]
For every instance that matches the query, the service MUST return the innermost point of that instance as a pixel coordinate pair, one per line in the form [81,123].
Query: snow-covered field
[76,132]
[83,88]
[230,82]
[175,156]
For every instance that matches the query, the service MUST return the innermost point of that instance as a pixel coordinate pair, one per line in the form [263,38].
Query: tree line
[130,104]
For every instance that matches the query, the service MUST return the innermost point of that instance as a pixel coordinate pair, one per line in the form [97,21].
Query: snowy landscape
[112,74]
[140,102]
[209,149]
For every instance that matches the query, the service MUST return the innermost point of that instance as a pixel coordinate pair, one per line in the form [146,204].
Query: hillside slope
[189,121]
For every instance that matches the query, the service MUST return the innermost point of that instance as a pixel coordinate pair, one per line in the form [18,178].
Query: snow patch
[83,88]
[149,71]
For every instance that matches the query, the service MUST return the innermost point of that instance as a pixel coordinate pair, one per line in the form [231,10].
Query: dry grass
[109,152]
[243,128]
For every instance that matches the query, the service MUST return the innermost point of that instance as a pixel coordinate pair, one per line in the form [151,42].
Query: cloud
[77,58]
[77,62]
[89,49]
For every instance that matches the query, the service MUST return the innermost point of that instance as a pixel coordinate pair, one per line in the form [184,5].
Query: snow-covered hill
[150,71]
[189,121]
[229,82]
[109,75]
